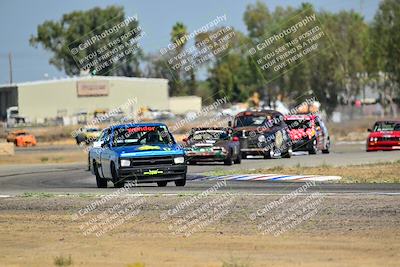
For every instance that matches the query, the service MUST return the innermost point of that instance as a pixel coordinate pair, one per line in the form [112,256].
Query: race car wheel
[269,154]
[181,182]
[88,163]
[238,159]
[328,145]
[101,183]
[288,153]
[228,160]
[162,183]
[314,148]
[118,183]
[243,155]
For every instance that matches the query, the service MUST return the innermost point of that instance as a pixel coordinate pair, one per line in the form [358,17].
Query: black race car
[262,133]
[212,144]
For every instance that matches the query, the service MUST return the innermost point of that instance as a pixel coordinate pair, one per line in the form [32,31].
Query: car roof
[259,112]
[390,121]
[19,131]
[137,125]
[209,128]
[300,117]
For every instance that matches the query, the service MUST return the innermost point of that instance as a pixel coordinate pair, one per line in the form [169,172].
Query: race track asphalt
[75,179]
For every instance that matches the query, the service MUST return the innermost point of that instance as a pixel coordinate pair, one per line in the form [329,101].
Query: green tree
[180,80]
[384,50]
[76,27]
[178,33]
[229,74]
[257,19]
[337,71]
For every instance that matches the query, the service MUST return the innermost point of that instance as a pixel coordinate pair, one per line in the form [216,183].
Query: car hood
[384,134]
[296,134]
[257,129]
[206,143]
[148,150]
[94,134]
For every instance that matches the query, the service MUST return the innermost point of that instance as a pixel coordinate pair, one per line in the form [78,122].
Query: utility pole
[10,66]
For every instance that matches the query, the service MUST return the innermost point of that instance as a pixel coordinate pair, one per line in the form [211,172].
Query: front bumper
[383,145]
[302,145]
[254,150]
[251,146]
[207,156]
[154,173]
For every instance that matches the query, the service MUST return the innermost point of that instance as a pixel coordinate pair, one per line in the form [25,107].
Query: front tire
[327,147]
[288,153]
[238,159]
[100,182]
[314,148]
[269,154]
[118,183]
[228,160]
[181,182]
[162,183]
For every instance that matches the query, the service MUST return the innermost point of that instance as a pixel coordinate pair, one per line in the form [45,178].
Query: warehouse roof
[85,78]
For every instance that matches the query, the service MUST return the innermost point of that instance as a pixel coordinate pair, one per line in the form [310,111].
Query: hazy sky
[19,20]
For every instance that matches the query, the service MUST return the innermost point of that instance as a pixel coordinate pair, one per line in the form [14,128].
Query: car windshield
[141,135]
[244,121]
[208,135]
[386,126]
[298,124]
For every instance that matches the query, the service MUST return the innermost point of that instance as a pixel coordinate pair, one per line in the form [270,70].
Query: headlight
[179,160]
[371,139]
[125,163]
[261,138]
[376,139]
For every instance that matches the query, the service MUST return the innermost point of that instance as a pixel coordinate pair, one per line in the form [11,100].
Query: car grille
[146,161]
[252,143]
[388,138]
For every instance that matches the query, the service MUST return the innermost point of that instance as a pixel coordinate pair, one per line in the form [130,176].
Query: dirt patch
[43,158]
[357,230]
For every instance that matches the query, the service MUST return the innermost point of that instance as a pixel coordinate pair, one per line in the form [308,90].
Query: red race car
[384,136]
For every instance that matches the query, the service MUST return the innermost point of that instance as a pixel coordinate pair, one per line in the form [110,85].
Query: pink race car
[308,133]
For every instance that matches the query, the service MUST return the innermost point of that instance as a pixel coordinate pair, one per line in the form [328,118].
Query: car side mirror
[105,144]
[369,130]
[97,144]
[229,123]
